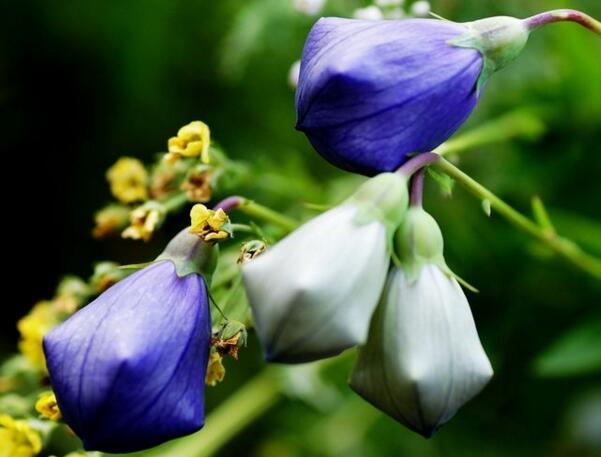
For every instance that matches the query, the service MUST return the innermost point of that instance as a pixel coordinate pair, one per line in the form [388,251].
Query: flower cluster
[190,171]
[128,370]
[313,295]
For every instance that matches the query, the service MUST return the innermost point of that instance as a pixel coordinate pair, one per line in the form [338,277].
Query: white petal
[424,359]
[313,293]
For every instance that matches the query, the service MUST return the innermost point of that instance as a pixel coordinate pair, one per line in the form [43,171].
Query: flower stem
[175,203]
[255,210]
[561,246]
[416,163]
[417,188]
[564,15]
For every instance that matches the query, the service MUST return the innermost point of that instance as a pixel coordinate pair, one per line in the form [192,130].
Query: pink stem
[562,16]
[417,188]
[418,162]
[229,203]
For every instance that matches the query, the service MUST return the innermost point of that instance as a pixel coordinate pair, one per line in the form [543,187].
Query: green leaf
[577,352]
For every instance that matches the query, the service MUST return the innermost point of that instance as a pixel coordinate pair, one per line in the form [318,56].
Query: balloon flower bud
[312,294]
[128,369]
[371,93]
[423,359]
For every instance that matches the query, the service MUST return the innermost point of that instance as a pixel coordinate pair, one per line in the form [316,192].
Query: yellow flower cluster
[18,439]
[192,140]
[128,180]
[32,328]
[208,224]
[48,407]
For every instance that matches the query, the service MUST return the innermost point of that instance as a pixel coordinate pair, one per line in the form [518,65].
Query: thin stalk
[416,163]
[561,246]
[258,211]
[417,188]
[175,203]
[564,15]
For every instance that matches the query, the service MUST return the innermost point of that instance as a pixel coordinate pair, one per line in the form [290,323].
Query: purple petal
[128,370]
[372,92]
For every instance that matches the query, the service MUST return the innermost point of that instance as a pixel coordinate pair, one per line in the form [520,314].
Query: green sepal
[383,198]
[499,39]
[190,255]
[419,242]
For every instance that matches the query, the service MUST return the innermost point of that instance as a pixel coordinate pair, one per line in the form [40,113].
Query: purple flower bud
[128,370]
[371,93]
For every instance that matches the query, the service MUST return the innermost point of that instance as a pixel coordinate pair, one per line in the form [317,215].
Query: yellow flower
[208,224]
[192,140]
[144,221]
[215,369]
[32,328]
[128,180]
[48,407]
[109,220]
[18,439]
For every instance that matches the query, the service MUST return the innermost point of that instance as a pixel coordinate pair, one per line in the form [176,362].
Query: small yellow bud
[215,369]
[32,329]
[208,224]
[198,186]
[251,250]
[48,407]
[144,221]
[128,180]
[110,220]
[18,438]
[192,140]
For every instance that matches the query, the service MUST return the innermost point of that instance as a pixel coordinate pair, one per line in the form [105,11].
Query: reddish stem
[418,162]
[417,188]
[564,15]
[230,203]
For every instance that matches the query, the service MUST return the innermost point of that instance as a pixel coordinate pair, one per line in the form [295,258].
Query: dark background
[83,83]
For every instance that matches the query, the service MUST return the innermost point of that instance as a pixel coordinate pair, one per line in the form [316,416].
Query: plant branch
[561,246]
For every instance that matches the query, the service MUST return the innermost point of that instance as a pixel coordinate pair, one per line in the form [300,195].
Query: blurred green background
[82,83]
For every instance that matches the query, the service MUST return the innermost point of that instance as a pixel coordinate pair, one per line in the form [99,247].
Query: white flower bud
[423,359]
[313,294]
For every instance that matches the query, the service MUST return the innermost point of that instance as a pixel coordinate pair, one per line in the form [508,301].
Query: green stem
[561,246]
[255,210]
[243,228]
[175,203]
[516,124]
